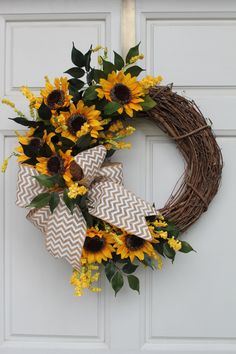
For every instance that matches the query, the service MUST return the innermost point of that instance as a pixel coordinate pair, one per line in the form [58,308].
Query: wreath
[75,194]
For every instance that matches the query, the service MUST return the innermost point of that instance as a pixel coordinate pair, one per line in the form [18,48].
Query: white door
[188,307]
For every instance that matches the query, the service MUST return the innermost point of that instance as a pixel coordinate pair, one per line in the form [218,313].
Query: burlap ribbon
[107,200]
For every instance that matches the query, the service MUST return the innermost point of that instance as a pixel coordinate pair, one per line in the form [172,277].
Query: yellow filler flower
[124,89]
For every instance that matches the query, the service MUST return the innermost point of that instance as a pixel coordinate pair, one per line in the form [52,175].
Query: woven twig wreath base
[182,120]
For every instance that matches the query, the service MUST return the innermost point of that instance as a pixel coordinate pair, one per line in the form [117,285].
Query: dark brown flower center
[55,165]
[36,144]
[75,123]
[134,243]
[121,94]
[94,244]
[55,98]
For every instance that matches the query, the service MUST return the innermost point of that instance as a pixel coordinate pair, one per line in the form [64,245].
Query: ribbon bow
[108,200]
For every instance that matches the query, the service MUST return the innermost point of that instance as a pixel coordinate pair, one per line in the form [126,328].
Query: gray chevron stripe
[112,171]
[27,186]
[65,234]
[39,217]
[118,206]
[90,161]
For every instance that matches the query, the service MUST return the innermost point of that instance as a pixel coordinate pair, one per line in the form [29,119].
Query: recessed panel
[192,52]
[39,298]
[39,48]
[195,297]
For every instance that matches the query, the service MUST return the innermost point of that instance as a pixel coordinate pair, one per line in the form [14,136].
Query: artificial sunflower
[132,246]
[124,89]
[59,163]
[35,143]
[80,120]
[97,246]
[55,96]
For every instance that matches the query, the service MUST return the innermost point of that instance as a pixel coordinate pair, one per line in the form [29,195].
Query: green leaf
[75,72]
[172,230]
[44,112]
[66,143]
[110,270]
[111,107]
[84,141]
[110,153]
[129,268]
[159,248]
[133,282]
[77,57]
[76,83]
[148,261]
[45,151]
[90,93]
[168,251]
[54,201]
[134,70]
[29,151]
[186,247]
[40,200]
[132,52]
[87,58]
[119,61]
[45,180]
[99,74]
[108,67]
[70,203]
[25,122]
[148,103]
[117,282]
[88,217]
[50,181]
[90,76]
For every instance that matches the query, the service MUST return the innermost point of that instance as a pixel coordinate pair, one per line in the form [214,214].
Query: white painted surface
[187,308]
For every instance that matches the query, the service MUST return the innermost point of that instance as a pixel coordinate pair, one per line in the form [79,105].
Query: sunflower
[79,121]
[124,89]
[55,96]
[132,246]
[58,163]
[97,246]
[34,142]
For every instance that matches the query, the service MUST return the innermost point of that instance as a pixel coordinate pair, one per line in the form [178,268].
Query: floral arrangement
[75,126]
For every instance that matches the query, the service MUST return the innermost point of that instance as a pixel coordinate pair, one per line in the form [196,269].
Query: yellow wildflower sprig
[149,81]
[76,190]
[174,244]
[85,278]
[136,58]
[101,57]
[12,105]
[6,161]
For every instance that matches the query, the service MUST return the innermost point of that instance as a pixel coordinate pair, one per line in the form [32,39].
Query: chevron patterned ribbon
[108,200]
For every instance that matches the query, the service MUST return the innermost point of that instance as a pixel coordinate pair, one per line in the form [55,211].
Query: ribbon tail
[118,206]
[39,217]
[65,234]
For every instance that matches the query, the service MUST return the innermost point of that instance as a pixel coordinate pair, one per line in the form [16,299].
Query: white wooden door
[188,307]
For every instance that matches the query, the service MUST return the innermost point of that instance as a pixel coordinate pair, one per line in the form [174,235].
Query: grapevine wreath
[75,194]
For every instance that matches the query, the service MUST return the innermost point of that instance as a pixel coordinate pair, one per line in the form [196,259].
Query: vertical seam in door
[127,25]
